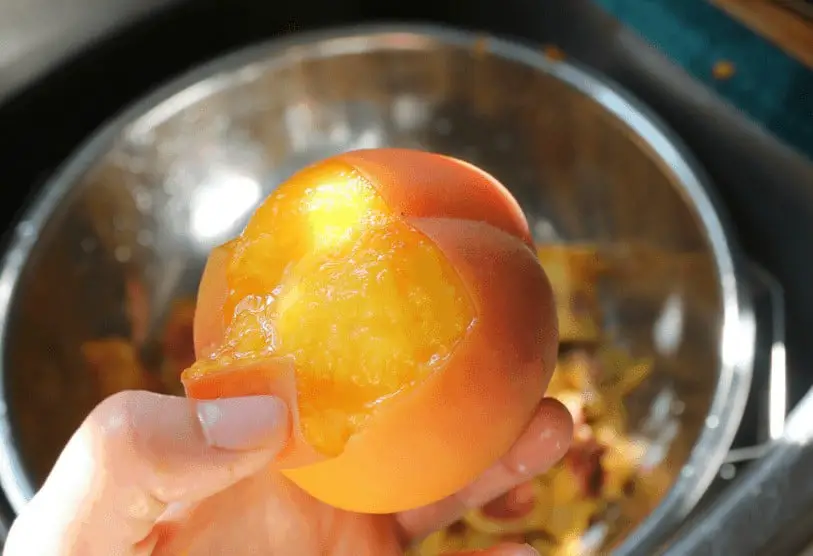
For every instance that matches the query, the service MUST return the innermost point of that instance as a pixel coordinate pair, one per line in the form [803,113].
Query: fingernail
[246,423]
[526,550]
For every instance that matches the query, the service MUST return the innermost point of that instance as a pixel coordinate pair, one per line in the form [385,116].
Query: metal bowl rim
[736,368]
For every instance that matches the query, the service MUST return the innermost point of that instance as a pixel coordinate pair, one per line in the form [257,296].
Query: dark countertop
[769,86]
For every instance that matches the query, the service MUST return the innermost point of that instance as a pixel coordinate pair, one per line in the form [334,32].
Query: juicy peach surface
[391,297]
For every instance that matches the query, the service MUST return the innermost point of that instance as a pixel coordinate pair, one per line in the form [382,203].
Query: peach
[393,299]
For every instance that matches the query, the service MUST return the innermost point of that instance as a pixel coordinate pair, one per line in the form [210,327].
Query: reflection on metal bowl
[139,207]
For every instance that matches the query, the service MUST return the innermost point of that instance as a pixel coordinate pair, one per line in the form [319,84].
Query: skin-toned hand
[149,475]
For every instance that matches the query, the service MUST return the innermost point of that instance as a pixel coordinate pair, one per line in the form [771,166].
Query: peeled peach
[393,299]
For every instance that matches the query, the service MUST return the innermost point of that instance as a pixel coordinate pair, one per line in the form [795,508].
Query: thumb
[136,453]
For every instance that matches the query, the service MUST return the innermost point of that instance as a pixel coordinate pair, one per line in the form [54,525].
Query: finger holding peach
[391,297]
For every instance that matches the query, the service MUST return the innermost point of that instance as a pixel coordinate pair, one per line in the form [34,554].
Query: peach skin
[392,298]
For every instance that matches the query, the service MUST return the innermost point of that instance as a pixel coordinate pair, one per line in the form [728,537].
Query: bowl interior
[182,177]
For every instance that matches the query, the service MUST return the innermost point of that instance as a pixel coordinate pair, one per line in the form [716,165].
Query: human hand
[148,475]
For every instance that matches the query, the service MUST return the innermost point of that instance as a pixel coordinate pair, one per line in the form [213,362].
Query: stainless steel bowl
[178,173]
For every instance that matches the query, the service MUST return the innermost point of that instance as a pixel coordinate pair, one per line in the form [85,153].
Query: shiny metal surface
[35,35]
[772,392]
[771,499]
[150,195]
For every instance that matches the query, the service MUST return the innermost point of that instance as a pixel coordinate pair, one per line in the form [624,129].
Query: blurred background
[669,154]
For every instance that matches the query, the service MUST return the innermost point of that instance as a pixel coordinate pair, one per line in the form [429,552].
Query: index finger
[544,442]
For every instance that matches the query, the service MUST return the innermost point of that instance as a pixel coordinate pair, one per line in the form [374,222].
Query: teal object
[768,85]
